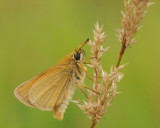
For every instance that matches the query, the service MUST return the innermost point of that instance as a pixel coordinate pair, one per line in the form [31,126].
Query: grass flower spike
[97,105]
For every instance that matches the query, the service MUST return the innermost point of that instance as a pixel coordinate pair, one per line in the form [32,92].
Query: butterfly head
[80,54]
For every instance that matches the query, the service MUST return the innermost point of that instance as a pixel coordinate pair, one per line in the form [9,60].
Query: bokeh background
[36,34]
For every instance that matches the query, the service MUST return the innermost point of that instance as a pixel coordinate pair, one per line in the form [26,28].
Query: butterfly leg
[92,75]
[82,90]
[86,63]
[87,59]
[79,84]
[89,78]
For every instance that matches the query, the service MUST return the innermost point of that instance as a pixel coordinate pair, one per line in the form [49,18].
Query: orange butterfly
[53,88]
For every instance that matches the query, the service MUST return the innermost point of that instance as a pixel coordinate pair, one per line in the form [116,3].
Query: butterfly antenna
[85,43]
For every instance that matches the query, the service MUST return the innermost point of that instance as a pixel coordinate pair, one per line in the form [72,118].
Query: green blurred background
[36,34]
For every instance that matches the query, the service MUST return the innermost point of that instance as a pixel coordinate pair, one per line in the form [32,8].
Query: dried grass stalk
[135,10]
[96,105]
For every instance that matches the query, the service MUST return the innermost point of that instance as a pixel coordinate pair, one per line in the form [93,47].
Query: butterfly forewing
[43,90]
[46,91]
[21,92]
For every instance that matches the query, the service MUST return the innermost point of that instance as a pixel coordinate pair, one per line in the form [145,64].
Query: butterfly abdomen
[77,74]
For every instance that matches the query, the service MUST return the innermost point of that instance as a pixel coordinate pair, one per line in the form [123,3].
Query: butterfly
[52,89]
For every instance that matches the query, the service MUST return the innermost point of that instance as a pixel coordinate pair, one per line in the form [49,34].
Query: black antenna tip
[87,40]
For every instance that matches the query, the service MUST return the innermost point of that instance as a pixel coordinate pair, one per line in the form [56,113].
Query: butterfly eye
[77,56]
